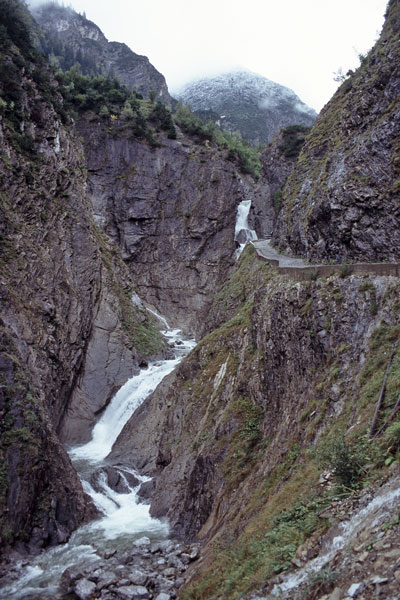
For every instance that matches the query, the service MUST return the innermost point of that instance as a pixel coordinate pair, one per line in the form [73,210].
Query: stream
[125,519]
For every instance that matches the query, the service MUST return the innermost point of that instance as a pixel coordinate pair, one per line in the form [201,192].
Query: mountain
[69,38]
[274,445]
[248,103]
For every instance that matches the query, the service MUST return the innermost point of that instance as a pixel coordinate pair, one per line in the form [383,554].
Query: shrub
[346,459]
[293,138]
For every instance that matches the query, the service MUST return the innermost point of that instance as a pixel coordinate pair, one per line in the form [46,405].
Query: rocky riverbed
[150,570]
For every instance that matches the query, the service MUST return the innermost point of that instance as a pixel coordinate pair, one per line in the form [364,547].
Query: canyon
[265,440]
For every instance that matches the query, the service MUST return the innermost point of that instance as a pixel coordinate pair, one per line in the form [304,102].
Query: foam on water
[124,517]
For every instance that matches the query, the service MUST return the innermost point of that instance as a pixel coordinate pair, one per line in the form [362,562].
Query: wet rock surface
[368,564]
[172,212]
[150,571]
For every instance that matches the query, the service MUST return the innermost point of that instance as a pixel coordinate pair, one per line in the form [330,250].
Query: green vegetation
[238,150]
[346,458]
[293,138]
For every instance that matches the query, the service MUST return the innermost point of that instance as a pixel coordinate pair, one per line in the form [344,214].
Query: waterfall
[124,517]
[243,233]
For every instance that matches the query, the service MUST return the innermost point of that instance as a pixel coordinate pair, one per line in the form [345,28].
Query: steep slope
[59,281]
[277,162]
[341,201]
[238,426]
[248,103]
[70,38]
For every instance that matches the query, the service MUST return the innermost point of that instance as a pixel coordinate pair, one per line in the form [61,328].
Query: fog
[297,43]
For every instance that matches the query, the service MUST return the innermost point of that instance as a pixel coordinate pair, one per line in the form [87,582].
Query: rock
[379,580]
[113,58]
[194,553]
[240,96]
[170,572]
[84,589]
[133,592]
[341,217]
[118,480]
[138,577]
[178,248]
[146,490]
[337,594]
[163,596]
[356,589]
[142,542]
[105,580]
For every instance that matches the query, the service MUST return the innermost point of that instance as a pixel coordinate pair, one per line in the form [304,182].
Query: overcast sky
[297,43]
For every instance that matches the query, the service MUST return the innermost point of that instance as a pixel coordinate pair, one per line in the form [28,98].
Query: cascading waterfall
[124,517]
[243,233]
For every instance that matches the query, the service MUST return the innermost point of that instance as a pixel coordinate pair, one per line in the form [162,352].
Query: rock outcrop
[233,427]
[341,201]
[277,162]
[70,38]
[171,210]
[246,102]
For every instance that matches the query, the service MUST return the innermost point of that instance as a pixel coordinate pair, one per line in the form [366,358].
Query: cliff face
[277,162]
[59,281]
[231,435]
[341,201]
[71,38]
[171,210]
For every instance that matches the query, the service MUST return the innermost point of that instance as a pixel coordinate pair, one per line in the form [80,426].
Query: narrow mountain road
[298,269]
[264,249]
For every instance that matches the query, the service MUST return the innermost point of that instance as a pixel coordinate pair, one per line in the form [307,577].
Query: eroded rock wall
[341,201]
[251,385]
[67,326]
[172,211]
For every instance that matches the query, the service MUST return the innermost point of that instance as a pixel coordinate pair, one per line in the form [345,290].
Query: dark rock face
[249,103]
[69,34]
[67,326]
[201,433]
[49,283]
[341,200]
[172,211]
[277,162]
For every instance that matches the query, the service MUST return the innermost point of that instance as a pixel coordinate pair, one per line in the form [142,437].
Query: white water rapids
[124,517]
[243,233]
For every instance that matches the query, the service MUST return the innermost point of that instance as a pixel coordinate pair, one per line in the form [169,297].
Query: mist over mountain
[251,104]
[69,38]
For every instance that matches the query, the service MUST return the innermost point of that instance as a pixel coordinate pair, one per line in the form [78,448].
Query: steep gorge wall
[171,210]
[342,200]
[286,363]
[67,324]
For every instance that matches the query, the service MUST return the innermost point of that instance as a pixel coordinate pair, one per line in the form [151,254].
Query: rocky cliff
[171,209]
[68,327]
[70,38]
[277,162]
[341,201]
[249,103]
[234,434]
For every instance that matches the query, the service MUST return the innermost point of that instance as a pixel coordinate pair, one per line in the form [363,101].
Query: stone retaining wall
[303,273]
